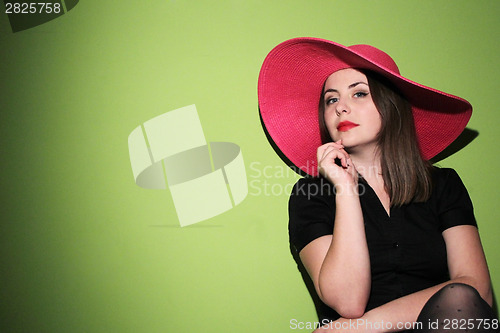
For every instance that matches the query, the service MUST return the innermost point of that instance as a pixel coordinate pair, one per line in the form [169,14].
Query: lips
[344,126]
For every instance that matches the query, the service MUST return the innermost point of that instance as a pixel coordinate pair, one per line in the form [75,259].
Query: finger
[337,144]
[323,149]
[327,151]
[351,168]
[348,160]
[332,144]
[333,154]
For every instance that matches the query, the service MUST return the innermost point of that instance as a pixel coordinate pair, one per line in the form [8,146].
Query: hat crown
[375,56]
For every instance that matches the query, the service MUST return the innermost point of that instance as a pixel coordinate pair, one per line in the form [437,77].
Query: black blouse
[407,249]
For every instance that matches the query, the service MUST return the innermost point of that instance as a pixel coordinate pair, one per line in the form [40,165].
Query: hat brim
[289,89]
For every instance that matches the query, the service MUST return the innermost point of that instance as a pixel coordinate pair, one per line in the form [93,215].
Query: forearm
[344,279]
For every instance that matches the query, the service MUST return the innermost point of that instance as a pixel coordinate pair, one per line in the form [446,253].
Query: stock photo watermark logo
[205,179]
[28,14]
[271,180]
[281,180]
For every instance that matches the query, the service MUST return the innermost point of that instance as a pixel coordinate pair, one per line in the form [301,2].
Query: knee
[460,293]
[453,302]
[457,287]
[461,289]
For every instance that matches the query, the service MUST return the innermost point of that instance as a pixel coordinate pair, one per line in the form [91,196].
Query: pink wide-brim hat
[289,90]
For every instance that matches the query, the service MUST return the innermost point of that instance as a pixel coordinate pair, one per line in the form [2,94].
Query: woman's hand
[338,175]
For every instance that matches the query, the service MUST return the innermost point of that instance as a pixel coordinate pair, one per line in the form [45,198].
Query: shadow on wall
[323,311]
[466,137]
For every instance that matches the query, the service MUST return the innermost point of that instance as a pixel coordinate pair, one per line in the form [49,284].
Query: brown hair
[407,176]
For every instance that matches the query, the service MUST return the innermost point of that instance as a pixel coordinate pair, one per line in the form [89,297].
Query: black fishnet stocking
[457,308]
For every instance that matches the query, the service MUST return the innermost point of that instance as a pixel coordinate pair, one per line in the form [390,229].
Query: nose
[341,107]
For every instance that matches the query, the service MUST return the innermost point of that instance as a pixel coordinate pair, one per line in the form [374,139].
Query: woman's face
[350,114]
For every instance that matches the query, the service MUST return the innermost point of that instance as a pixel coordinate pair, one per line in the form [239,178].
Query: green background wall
[83,249]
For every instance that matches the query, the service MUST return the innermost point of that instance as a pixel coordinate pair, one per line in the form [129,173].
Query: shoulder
[310,194]
[451,199]
[311,188]
[445,180]
[311,210]
[439,173]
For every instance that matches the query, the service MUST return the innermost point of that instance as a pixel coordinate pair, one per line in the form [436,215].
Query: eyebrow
[352,85]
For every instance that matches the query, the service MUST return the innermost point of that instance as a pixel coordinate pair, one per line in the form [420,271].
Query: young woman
[389,242]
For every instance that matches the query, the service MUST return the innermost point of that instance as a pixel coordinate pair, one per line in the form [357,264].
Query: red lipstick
[344,126]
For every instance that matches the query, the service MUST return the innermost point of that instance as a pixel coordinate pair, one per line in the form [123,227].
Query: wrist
[347,189]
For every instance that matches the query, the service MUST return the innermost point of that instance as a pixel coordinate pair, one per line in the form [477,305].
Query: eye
[360,94]
[331,100]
